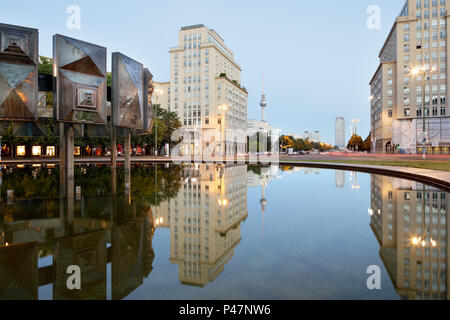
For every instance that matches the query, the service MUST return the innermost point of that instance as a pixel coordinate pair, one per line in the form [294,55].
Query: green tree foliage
[45,66]
[167,123]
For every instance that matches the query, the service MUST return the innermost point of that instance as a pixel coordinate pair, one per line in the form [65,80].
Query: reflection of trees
[256,169]
[94,181]
[44,186]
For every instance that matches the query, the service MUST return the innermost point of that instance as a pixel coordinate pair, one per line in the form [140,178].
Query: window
[443,111]
[390,113]
[406,112]
[435,111]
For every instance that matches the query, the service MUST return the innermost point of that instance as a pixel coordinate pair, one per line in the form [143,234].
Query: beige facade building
[161,95]
[404,214]
[205,220]
[418,39]
[204,77]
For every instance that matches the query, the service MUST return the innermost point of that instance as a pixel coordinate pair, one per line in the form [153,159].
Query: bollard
[10,196]
[78,192]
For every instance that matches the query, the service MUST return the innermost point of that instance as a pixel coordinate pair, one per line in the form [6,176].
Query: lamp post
[422,71]
[355,121]
[222,108]
[157,93]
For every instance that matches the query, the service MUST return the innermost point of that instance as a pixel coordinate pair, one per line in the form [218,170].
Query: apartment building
[410,222]
[161,95]
[417,41]
[206,90]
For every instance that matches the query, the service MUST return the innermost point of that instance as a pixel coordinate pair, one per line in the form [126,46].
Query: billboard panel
[18,73]
[81,87]
[127,105]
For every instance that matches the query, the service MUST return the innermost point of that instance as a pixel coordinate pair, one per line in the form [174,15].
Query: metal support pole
[128,163]
[156,126]
[113,148]
[423,116]
[67,175]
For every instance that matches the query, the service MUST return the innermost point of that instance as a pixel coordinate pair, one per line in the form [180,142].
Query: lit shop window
[21,151]
[51,151]
[36,150]
[77,151]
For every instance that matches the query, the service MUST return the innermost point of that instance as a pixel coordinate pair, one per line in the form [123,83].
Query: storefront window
[36,151]
[21,151]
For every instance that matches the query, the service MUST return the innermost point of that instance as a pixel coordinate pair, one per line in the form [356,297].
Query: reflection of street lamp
[422,71]
[222,108]
[355,180]
[157,92]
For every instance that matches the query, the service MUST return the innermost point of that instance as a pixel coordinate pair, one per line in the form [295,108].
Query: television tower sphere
[263,102]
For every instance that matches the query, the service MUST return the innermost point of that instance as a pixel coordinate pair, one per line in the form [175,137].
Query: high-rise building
[340,132]
[418,40]
[206,90]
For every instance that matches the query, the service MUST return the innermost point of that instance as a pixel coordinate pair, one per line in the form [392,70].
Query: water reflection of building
[410,222]
[205,220]
[340,179]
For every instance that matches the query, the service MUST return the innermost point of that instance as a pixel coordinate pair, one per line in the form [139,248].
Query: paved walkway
[440,179]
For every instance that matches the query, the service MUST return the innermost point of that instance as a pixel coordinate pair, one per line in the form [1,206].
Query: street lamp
[422,71]
[222,108]
[355,121]
[157,92]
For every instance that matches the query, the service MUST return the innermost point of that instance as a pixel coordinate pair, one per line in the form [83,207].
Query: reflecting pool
[220,232]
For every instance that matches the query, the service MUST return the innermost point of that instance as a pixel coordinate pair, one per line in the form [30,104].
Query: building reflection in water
[340,179]
[205,220]
[86,231]
[410,221]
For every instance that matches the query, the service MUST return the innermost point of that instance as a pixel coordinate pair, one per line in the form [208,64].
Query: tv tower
[263,102]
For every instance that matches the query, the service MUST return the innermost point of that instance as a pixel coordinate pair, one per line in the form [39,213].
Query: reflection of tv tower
[263,201]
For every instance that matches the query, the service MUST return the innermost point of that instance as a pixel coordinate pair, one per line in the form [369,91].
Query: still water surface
[221,232]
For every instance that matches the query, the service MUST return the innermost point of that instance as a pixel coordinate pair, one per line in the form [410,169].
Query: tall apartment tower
[340,132]
[418,39]
[205,88]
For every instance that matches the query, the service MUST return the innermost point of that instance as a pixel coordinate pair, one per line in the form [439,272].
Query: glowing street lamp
[223,108]
[421,70]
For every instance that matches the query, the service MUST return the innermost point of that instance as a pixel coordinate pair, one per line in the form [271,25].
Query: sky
[318,57]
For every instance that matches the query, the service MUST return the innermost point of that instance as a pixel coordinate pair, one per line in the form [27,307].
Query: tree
[367,144]
[45,66]
[355,143]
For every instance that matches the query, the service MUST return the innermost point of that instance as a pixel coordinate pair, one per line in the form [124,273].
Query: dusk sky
[318,56]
